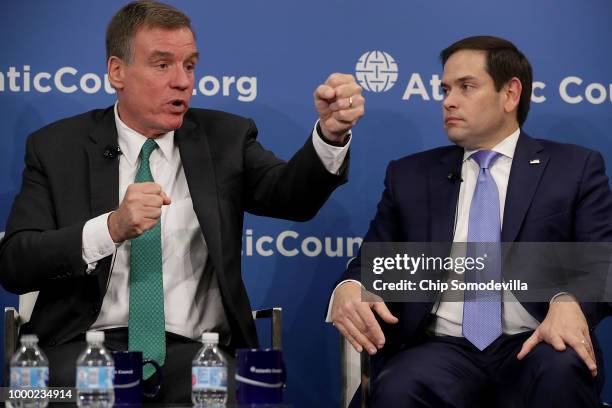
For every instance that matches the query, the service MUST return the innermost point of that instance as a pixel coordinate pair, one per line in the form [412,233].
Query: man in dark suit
[85,228]
[435,354]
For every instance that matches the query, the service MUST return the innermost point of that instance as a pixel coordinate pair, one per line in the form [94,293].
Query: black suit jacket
[556,193]
[68,180]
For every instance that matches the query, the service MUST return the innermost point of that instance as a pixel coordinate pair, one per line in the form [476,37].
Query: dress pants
[450,372]
[176,372]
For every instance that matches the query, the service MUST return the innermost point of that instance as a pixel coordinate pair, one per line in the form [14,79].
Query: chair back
[13,319]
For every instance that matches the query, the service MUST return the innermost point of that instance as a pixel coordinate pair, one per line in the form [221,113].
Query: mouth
[451,120]
[177,106]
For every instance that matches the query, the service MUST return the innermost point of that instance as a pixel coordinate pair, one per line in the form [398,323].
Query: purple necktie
[482,309]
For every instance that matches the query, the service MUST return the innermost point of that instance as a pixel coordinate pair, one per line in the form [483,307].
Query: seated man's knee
[408,388]
[391,387]
[561,365]
[433,375]
[560,379]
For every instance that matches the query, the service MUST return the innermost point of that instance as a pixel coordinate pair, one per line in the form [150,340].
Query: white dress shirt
[184,249]
[449,314]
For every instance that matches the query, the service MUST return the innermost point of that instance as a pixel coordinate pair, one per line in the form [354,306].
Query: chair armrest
[275,314]
[355,372]
[11,335]
[365,379]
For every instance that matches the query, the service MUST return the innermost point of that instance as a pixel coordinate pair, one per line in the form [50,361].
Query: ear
[115,67]
[512,92]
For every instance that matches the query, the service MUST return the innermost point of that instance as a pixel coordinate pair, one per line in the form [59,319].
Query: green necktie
[147,327]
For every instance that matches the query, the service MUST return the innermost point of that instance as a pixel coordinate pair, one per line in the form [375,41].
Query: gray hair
[135,15]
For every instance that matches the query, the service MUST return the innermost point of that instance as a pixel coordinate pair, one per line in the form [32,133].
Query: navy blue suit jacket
[564,198]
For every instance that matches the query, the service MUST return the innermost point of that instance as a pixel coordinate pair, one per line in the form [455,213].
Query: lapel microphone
[454,177]
[111,152]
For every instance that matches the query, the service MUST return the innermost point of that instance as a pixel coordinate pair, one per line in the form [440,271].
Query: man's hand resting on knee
[564,325]
[352,314]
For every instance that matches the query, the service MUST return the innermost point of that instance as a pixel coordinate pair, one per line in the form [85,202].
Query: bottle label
[29,377]
[209,378]
[97,378]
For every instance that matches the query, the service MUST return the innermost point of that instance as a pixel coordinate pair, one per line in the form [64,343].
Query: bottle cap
[94,336]
[210,338]
[29,338]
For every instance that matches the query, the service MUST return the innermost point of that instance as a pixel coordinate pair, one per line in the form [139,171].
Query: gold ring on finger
[350,100]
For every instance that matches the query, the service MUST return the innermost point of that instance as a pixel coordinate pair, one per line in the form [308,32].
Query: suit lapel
[103,175]
[199,171]
[444,185]
[528,166]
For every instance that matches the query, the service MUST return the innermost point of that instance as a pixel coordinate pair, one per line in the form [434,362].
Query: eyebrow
[167,55]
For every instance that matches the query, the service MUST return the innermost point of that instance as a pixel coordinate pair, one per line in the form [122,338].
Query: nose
[450,101]
[182,79]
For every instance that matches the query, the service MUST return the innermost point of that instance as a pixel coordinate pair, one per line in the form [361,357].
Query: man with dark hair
[129,219]
[503,61]
[496,184]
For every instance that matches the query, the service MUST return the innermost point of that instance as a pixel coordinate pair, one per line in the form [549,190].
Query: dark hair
[504,61]
[124,25]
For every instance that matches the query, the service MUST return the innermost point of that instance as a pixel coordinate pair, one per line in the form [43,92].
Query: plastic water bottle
[95,374]
[209,374]
[29,375]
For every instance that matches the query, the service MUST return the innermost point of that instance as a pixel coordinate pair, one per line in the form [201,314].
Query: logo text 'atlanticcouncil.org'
[69,80]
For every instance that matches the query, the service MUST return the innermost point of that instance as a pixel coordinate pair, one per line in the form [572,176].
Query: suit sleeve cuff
[561,294]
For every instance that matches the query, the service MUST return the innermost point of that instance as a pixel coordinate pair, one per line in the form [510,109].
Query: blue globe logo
[376,71]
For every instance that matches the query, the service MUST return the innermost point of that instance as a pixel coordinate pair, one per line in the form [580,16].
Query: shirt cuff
[97,241]
[561,294]
[331,156]
[331,299]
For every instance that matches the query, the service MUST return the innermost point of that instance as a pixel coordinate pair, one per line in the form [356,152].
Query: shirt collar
[506,147]
[130,141]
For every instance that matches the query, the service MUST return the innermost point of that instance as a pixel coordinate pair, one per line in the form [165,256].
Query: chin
[173,124]
[461,139]
[455,136]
